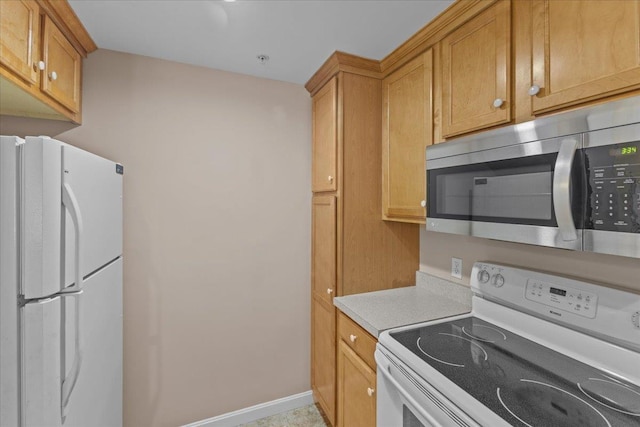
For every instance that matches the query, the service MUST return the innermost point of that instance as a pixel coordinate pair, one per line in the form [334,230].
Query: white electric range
[536,350]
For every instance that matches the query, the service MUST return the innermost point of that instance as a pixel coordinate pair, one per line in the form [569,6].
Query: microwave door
[525,193]
[514,196]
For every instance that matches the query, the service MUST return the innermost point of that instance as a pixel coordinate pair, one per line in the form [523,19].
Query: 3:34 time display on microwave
[624,151]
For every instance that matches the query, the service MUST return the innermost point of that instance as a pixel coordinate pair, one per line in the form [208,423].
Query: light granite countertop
[432,298]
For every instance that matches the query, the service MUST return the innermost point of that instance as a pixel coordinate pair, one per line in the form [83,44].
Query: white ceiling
[297,35]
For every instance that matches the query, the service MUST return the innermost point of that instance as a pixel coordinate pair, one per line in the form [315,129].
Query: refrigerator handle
[69,382]
[71,203]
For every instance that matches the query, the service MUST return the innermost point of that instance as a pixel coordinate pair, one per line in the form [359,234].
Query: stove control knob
[483,276]
[635,318]
[498,280]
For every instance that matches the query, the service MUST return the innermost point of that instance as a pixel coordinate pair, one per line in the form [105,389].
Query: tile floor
[307,416]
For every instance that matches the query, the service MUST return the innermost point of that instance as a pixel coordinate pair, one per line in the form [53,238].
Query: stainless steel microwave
[571,180]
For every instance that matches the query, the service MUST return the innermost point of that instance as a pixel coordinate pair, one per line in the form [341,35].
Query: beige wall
[216,233]
[436,250]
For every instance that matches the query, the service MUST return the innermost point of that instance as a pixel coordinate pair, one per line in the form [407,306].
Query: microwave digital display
[627,150]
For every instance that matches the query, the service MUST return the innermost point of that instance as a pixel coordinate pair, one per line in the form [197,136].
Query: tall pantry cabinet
[353,250]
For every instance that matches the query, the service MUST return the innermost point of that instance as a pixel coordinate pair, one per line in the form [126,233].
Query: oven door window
[410,420]
[513,191]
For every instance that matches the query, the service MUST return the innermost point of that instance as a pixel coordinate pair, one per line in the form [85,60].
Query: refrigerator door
[72,355]
[8,282]
[72,216]
[96,400]
[41,361]
[40,206]
[96,185]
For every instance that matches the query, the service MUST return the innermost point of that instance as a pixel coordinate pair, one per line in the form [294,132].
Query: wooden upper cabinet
[583,50]
[406,132]
[20,38]
[476,72]
[42,44]
[325,138]
[63,67]
[323,247]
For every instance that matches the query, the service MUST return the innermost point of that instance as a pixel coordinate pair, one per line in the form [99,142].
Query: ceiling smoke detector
[263,59]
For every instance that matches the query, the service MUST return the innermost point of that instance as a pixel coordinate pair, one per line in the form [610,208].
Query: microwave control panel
[614,187]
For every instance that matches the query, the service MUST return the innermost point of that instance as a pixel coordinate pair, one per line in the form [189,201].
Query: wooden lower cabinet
[356,390]
[356,375]
[323,351]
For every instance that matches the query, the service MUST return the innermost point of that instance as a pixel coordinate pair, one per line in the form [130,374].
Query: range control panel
[606,312]
[614,187]
[563,298]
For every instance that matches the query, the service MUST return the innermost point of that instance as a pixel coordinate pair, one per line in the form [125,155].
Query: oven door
[528,193]
[405,400]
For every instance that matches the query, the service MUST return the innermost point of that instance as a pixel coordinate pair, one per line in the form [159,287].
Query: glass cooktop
[525,383]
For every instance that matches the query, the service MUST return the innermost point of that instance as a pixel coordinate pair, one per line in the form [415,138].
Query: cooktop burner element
[613,395]
[484,333]
[442,341]
[523,382]
[535,400]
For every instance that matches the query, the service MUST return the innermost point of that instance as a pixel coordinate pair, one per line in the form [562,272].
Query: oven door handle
[562,190]
[384,367]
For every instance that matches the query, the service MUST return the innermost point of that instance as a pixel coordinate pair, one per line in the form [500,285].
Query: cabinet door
[406,133]
[323,356]
[325,138]
[323,247]
[20,38]
[583,50]
[476,72]
[63,67]
[356,390]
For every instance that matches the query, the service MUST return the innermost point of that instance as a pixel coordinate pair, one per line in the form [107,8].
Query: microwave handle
[561,189]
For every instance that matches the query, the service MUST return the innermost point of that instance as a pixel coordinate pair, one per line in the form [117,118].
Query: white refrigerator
[60,285]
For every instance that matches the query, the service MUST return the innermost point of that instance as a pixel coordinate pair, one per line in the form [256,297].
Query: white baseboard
[253,413]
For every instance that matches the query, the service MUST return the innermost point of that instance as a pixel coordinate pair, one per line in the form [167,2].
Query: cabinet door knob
[534,90]
[498,102]
[53,75]
[423,203]
[39,66]
[352,338]
[329,291]
[370,391]
[330,178]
